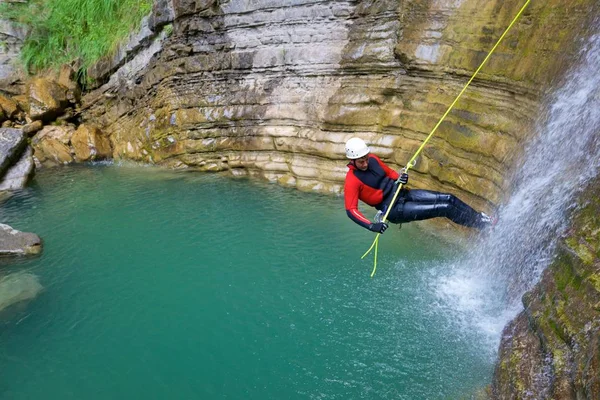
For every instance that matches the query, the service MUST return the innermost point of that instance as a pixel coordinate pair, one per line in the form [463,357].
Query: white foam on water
[471,301]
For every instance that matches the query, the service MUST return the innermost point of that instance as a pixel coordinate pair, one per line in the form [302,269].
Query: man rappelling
[370,180]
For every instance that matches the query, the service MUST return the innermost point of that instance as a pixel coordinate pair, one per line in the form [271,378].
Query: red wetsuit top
[371,186]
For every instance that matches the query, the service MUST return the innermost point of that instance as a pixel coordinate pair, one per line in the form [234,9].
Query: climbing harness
[412,161]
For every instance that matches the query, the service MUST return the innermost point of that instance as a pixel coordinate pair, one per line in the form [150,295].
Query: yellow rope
[411,163]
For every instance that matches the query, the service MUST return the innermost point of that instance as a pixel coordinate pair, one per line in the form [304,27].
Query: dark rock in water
[12,143]
[14,242]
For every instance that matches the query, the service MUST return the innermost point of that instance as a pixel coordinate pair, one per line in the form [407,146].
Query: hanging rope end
[371,248]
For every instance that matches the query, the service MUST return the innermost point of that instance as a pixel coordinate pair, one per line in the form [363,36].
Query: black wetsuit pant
[418,204]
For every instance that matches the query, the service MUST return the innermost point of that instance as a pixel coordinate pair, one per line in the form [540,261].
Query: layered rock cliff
[274,88]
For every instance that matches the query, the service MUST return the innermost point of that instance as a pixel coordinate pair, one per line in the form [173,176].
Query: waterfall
[484,289]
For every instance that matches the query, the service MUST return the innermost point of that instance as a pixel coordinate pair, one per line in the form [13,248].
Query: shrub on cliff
[62,31]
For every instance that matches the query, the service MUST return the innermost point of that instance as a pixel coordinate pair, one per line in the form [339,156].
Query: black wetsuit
[419,204]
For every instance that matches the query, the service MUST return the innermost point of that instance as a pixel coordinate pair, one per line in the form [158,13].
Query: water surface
[162,284]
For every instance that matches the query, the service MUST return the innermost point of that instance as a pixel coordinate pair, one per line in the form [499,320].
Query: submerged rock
[14,242]
[18,287]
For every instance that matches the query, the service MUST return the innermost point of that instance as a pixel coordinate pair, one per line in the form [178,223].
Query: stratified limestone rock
[137,51]
[18,287]
[14,242]
[12,143]
[241,85]
[19,174]
[90,144]
[552,350]
[47,99]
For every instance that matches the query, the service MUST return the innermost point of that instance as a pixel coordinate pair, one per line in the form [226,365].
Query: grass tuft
[64,31]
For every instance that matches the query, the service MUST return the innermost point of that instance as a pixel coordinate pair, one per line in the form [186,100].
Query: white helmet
[356,148]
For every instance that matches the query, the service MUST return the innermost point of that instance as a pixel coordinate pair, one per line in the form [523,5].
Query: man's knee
[444,208]
[447,198]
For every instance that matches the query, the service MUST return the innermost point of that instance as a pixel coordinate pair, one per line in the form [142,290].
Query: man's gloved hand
[403,179]
[378,227]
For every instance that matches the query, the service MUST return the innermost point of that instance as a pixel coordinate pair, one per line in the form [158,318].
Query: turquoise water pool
[162,284]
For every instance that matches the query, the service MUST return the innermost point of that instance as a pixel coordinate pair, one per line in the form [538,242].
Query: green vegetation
[64,31]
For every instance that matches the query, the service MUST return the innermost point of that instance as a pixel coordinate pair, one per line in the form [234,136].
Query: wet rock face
[275,88]
[552,350]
